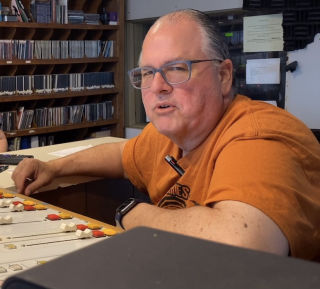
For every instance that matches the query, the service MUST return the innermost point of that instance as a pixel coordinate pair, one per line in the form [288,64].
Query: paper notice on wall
[263,71]
[263,33]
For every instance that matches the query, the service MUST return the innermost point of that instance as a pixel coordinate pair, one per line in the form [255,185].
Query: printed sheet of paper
[69,151]
[273,102]
[263,71]
[263,33]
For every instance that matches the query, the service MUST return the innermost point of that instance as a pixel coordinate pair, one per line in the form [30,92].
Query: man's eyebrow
[176,59]
[167,62]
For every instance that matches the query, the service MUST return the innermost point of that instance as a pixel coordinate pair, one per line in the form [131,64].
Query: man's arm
[104,160]
[3,142]
[230,222]
[101,161]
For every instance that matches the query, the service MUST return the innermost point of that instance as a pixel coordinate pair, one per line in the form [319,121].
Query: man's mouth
[164,106]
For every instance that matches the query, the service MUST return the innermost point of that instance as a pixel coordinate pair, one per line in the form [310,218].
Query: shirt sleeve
[268,175]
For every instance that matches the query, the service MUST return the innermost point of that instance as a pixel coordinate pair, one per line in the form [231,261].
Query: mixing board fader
[33,233]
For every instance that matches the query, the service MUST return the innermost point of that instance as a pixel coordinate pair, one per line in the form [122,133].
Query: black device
[144,258]
[124,208]
[8,159]
[3,168]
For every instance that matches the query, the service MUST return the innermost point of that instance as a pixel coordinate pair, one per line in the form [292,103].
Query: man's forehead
[167,42]
[167,32]
[155,27]
[172,22]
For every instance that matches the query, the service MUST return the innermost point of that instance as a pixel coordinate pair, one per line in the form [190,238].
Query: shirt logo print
[176,197]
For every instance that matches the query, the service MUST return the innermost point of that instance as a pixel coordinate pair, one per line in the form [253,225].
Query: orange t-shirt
[257,154]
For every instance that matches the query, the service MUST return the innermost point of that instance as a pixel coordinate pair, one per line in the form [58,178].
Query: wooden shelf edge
[52,129]
[33,25]
[59,61]
[55,95]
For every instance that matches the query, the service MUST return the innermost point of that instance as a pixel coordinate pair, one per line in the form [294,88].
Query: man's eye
[146,73]
[176,68]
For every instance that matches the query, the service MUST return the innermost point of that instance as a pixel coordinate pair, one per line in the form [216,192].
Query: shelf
[59,61]
[26,25]
[89,71]
[56,95]
[52,129]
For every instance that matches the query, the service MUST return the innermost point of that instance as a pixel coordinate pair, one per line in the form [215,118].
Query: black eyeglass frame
[160,70]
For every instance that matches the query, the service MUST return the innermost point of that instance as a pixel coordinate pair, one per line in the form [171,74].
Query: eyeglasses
[174,72]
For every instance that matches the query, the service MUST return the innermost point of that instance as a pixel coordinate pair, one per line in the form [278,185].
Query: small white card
[65,152]
[263,71]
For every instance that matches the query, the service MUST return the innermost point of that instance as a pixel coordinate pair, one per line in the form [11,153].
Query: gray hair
[214,43]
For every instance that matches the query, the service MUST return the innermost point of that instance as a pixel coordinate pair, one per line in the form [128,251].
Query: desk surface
[45,154]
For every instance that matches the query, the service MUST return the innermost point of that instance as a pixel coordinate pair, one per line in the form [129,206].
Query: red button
[29,208]
[53,217]
[82,227]
[97,234]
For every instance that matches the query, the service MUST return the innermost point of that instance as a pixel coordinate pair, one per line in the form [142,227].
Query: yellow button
[40,207]
[28,203]
[109,232]
[65,216]
[93,226]
[8,195]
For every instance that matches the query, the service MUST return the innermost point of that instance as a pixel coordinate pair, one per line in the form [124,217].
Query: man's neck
[189,143]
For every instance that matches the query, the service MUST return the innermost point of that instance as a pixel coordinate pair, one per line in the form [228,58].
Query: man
[247,173]
[3,142]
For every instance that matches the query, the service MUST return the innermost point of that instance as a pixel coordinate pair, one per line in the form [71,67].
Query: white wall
[302,85]
[143,9]
[132,132]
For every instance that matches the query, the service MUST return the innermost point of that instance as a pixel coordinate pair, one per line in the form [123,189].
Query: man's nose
[159,83]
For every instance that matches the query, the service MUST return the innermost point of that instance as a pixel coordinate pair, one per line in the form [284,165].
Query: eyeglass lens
[173,73]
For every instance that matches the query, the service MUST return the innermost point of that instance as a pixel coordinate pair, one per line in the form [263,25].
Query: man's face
[189,110]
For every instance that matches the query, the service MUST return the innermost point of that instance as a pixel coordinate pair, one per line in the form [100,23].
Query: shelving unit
[70,97]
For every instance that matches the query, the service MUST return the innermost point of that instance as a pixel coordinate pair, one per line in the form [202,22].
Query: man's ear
[226,76]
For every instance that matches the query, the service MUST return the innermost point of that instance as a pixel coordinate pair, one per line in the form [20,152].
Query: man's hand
[31,174]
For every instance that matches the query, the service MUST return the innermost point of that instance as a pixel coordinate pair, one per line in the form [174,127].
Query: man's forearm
[228,222]
[184,221]
[101,161]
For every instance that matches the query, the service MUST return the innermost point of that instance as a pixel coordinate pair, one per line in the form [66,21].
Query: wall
[302,91]
[131,132]
[143,9]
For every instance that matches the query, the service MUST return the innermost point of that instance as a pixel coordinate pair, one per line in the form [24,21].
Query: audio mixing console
[33,233]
